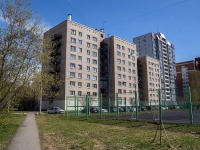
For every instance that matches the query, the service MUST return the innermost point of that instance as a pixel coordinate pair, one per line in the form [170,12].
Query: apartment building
[119,70]
[77,63]
[149,80]
[158,47]
[183,69]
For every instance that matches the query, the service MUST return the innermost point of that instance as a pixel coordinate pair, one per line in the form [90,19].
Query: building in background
[118,73]
[149,80]
[183,70]
[158,47]
[77,63]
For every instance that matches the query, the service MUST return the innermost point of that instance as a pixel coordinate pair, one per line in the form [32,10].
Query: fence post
[160,106]
[87,106]
[101,106]
[190,108]
[78,106]
[75,105]
[117,110]
[109,105]
[136,105]
[67,105]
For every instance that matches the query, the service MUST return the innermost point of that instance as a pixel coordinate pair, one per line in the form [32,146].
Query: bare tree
[21,51]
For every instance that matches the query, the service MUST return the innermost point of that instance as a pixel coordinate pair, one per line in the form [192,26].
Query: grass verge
[9,123]
[62,132]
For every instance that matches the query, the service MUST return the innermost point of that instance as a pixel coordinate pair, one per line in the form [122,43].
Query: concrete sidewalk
[27,136]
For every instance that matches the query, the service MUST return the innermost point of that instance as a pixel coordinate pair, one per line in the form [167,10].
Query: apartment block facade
[149,80]
[119,70]
[183,69]
[78,62]
[158,47]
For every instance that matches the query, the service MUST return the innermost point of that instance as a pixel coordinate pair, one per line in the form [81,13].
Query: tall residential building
[118,70]
[77,63]
[158,47]
[183,69]
[149,80]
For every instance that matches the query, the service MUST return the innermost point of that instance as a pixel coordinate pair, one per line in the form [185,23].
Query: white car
[56,110]
[104,111]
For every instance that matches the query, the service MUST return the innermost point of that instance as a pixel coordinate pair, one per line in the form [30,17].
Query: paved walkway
[27,137]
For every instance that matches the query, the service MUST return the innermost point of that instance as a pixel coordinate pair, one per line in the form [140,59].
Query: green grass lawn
[9,123]
[62,132]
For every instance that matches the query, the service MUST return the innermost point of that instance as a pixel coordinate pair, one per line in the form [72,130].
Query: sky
[178,20]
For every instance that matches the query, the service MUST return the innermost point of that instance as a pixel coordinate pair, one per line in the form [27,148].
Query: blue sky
[178,20]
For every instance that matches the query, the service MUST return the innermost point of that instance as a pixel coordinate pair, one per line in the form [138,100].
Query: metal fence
[180,111]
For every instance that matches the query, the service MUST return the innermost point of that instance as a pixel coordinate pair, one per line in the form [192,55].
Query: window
[123,62]
[129,57]
[88,93]
[119,76]
[119,91]
[118,53]
[124,76]
[73,40]
[88,77]
[88,37]
[79,84]
[79,67]
[72,57]
[133,71]
[132,52]
[72,83]
[129,77]
[73,32]
[72,65]
[118,68]
[94,78]
[94,54]
[88,85]
[94,61]
[80,58]
[129,63]
[94,93]
[80,42]
[123,55]
[79,93]
[119,61]
[133,64]
[133,57]
[129,84]
[129,50]
[73,48]
[94,46]
[88,60]
[88,68]
[80,34]
[123,48]
[119,83]
[88,45]
[72,92]
[124,69]
[80,50]
[124,83]
[72,74]
[94,69]
[88,52]
[120,100]
[118,46]
[95,86]
[94,39]
[124,91]
[79,75]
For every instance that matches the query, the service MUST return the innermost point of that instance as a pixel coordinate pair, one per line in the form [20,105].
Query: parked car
[56,110]
[92,110]
[104,111]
